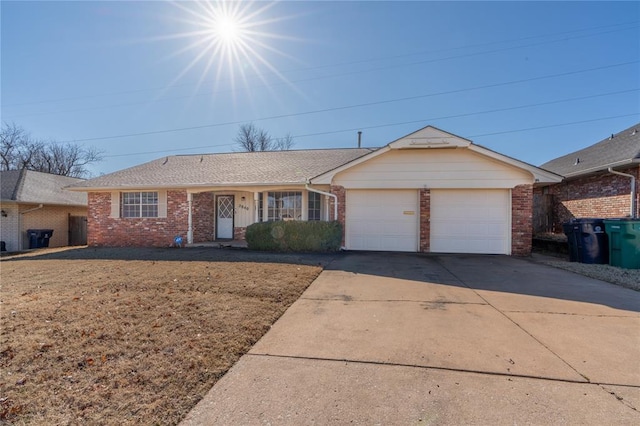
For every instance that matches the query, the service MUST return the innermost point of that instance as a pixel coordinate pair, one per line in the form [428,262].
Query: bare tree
[18,151]
[251,139]
[283,144]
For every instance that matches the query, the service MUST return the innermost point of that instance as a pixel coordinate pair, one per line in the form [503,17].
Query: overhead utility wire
[367,60]
[282,83]
[466,137]
[423,120]
[467,114]
[341,108]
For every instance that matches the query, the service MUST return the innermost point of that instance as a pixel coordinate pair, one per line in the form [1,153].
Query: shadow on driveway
[493,273]
[490,273]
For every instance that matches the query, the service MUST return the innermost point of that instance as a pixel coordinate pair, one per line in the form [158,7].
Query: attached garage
[470,221]
[382,220]
[432,191]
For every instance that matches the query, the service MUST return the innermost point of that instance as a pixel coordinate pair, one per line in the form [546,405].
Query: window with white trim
[284,206]
[139,204]
[314,205]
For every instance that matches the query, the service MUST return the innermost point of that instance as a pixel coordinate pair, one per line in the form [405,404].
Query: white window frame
[141,208]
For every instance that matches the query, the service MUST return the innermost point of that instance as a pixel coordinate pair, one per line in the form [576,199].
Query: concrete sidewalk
[414,339]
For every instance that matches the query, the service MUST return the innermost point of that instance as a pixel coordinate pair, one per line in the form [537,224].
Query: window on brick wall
[139,204]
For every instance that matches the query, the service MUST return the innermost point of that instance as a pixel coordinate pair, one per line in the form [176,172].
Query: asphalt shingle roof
[237,168]
[622,148]
[28,186]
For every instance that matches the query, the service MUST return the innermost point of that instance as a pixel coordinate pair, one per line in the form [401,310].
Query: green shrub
[295,236]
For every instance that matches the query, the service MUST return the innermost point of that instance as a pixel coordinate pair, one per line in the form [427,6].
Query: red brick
[602,195]
[425,215]
[521,220]
[103,230]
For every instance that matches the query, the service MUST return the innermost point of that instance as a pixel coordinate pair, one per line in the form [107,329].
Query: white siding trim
[162,204]
[115,205]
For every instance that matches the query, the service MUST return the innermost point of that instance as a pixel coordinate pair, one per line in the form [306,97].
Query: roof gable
[618,149]
[430,137]
[433,138]
[28,186]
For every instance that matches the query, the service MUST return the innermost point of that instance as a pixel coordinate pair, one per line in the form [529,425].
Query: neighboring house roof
[619,149]
[28,186]
[237,168]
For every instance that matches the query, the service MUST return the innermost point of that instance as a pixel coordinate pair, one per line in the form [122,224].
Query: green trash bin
[624,242]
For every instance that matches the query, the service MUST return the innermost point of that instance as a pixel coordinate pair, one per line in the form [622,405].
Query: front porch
[221,215]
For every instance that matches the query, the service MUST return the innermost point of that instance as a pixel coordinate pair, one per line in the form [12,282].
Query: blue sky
[125,77]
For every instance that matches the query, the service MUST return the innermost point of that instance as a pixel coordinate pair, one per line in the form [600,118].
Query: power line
[555,125]
[423,120]
[286,83]
[446,117]
[355,62]
[345,107]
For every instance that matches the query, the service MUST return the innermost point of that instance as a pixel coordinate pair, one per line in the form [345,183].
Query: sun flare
[231,39]
[227,29]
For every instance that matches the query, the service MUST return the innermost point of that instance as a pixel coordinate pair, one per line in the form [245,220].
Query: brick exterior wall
[603,195]
[203,216]
[239,233]
[340,192]
[103,230]
[521,220]
[425,216]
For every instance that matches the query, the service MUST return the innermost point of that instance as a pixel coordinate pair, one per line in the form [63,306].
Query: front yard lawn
[130,336]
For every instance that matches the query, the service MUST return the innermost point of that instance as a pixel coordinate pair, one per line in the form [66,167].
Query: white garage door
[471,221]
[382,220]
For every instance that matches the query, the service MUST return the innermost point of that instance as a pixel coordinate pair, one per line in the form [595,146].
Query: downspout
[40,206]
[633,190]
[328,194]
[190,219]
[33,209]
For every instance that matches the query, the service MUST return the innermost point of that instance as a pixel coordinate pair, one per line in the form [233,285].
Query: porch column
[256,208]
[326,208]
[190,218]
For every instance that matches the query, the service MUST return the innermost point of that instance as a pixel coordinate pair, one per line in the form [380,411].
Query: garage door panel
[382,220]
[470,221]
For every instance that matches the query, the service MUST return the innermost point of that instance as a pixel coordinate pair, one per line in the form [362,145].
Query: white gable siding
[432,168]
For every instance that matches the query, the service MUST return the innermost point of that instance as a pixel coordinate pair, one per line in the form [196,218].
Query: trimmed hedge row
[294,235]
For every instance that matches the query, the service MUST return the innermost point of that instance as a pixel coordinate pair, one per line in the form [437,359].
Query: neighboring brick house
[430,191]
[589,189]
[35,200]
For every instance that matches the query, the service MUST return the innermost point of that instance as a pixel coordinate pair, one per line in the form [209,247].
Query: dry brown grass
[91,337]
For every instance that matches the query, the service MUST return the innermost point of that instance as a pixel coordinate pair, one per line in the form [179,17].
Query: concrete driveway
[383,338]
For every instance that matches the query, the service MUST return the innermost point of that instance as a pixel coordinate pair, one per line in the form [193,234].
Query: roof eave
[327,177]
[602,168]
[539,175]
[183,186]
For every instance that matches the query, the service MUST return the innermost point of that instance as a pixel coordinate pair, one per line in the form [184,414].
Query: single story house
[430,191]
[35,200]
[597,183]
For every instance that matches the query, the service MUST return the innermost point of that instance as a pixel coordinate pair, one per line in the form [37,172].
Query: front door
[224,222]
